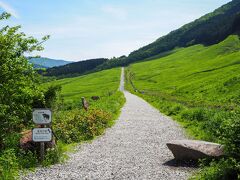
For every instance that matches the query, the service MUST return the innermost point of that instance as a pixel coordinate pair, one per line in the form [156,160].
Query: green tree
[18,85]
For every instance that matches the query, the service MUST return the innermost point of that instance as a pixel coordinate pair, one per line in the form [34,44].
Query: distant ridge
[43,62]
[74,68]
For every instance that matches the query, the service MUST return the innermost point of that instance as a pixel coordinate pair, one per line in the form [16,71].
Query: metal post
[42,149]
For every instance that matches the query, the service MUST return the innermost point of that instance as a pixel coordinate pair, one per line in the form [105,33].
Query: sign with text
[42,134]
[42,116]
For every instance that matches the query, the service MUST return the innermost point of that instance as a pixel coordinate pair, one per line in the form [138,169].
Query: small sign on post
[42,135]
[42,116]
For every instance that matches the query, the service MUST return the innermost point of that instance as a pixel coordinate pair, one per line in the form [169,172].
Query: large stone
[194,150]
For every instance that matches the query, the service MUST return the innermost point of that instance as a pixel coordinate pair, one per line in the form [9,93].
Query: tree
[18,85]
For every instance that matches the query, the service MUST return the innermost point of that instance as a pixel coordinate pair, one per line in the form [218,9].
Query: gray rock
[194,150]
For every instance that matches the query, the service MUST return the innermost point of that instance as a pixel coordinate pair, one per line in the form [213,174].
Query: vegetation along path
[134,148]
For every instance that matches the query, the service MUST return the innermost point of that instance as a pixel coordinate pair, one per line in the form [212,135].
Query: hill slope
[95,84]
[197,78]
[199,87]
[209,29]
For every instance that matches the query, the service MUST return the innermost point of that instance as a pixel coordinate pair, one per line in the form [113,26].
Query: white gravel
[134,148]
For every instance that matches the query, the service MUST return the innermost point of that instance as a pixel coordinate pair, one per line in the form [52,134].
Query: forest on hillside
[73,69]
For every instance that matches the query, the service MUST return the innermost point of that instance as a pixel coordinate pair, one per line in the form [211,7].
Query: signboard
[42,134]
[42,116]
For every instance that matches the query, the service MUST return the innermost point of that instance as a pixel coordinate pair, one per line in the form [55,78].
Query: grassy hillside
[203,74]
[199,87]
[96,84]
[87,124]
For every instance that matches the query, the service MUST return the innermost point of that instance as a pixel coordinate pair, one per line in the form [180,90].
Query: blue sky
[84,29]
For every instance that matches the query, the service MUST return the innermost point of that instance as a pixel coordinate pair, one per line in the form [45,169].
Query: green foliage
[231,135]
[51,96]
[199,87]
[78,125]
[225,169]
[26,159]
[8,165]
[54,155]
[17,83]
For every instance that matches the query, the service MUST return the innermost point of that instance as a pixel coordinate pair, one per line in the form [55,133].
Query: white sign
[42,134]
[42,116]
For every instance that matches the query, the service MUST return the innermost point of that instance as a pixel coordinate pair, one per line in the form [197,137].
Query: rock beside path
[194,150]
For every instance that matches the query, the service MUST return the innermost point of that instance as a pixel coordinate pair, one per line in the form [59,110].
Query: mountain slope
[47,62]
[197,78]
[207,30]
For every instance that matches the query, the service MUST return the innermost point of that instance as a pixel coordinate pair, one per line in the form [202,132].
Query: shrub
[77,125]
[230,135]
[27,159]
[18,79]
[8,165]
[54,155]
[224,169]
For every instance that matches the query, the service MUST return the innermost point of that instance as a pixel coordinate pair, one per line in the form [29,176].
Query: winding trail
[134,148]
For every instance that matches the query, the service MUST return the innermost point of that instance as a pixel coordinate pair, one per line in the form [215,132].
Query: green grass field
[95,84]
[200,87]
[195,75]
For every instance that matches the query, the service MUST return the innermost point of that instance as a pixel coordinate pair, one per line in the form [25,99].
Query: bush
[77,125]
[230,135]
[8,165]
[27,159]
[225,169]
[54,155]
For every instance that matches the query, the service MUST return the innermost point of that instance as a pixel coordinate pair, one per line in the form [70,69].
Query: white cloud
[9,9]
[115,12]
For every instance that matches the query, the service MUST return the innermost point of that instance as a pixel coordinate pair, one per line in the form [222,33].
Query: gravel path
[134,148]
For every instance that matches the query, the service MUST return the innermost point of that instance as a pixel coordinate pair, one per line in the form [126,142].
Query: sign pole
[42,149]
[42,117]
